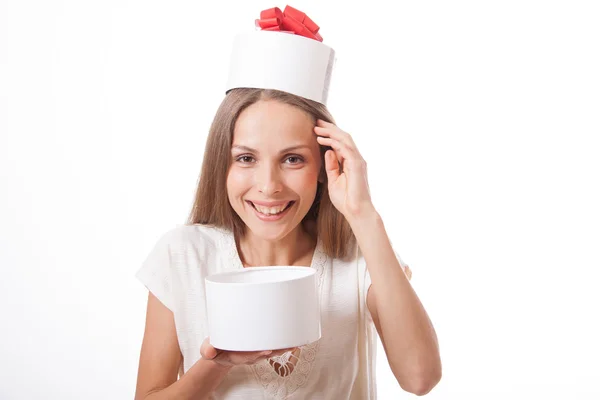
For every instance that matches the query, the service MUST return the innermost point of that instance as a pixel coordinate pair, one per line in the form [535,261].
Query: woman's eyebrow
[286,150]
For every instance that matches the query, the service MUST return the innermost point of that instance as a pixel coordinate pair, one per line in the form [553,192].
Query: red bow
[290,20]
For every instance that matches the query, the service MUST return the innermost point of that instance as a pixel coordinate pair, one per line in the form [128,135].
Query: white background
[479,121]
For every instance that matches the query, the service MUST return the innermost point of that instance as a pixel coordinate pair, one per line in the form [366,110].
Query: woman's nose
[268,180]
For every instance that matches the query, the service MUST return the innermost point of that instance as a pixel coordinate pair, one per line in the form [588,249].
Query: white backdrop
[479,121]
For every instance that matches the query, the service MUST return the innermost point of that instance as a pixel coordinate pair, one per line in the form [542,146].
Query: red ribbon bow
[290,20]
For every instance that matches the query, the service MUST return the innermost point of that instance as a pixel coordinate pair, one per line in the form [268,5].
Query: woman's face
[272,180]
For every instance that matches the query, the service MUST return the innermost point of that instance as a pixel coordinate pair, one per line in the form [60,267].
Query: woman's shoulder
[195,236]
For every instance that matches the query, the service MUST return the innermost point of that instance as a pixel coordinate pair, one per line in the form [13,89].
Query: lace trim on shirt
[281,376]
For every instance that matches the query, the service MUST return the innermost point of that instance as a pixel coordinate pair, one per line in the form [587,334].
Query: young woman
[281,184]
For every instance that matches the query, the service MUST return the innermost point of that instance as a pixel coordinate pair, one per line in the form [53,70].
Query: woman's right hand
[232,358]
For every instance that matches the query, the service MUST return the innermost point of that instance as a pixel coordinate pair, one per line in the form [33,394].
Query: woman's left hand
[348,188]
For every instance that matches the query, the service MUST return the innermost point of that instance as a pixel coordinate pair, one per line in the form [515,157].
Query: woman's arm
[160,359]
[407,334]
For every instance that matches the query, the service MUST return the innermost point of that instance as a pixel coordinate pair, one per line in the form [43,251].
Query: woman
[281,184]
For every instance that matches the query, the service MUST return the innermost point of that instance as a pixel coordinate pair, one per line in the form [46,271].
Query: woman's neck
[294,249]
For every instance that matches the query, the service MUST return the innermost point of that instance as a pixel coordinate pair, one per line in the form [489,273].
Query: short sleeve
[367,283]
[155,272]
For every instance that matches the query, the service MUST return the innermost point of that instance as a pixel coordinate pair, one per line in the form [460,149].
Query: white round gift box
[282,61]
[263,308]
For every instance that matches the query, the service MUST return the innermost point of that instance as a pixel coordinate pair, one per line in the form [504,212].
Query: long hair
[211,204]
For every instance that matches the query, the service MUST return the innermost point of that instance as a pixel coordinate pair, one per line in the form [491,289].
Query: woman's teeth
[270,210]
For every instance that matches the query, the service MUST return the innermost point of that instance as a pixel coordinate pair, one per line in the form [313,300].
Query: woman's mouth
[271,213]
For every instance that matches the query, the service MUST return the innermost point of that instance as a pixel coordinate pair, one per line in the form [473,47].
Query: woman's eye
[245,159]
[294,159]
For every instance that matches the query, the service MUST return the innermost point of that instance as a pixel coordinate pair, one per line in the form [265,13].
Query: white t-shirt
[340,365]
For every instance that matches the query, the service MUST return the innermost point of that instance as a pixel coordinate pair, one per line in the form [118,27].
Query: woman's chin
[270,233]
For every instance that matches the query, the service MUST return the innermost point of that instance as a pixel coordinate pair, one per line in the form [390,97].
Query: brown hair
[211,205]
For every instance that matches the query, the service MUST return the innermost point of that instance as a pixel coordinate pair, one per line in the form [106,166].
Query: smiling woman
[262,151]
[282,185]
[278,185]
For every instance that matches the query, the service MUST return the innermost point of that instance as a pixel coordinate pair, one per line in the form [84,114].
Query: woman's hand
[232,358]
[348,188]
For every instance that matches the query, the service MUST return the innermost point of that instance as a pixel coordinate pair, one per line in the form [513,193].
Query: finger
[207,351]
[331,133]
[282,351]
[335,133]
[257,355]
[337,161]
[262,355]
[332,167]
[334,144]
[341,140]
[322,122]
[343,152]
[253,354]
